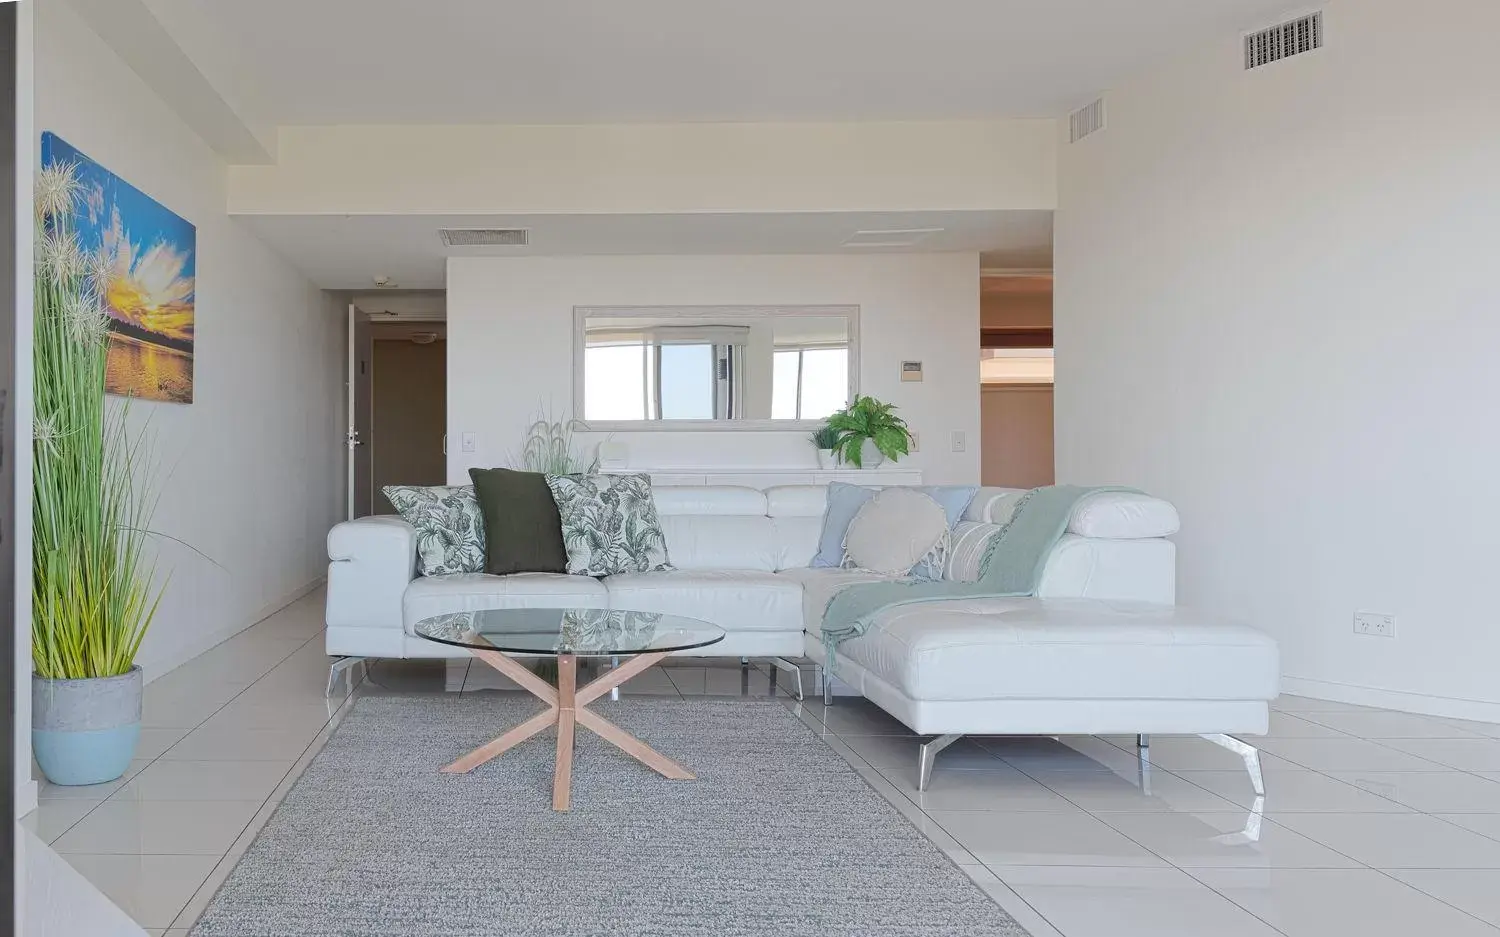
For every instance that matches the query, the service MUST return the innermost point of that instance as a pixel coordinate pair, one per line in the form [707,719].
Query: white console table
[751,477]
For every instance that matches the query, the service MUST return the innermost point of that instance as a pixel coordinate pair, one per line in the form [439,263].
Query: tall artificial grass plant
[93,585]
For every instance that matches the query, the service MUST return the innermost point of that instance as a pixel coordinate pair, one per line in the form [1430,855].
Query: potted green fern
[93,592]
[869,432]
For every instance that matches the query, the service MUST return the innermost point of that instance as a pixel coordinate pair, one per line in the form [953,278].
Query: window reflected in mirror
[748,366]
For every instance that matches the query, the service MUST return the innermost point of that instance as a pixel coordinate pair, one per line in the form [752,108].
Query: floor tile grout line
[1021,898]
[1438,898]
[931,819]
[302,761]
[151,761]
[1188,869]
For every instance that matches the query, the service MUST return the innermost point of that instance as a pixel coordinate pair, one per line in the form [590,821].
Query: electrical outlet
[960,441]
[916,442]
[1374,623]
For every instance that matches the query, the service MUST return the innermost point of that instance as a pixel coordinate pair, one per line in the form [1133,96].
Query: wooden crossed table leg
[566,708]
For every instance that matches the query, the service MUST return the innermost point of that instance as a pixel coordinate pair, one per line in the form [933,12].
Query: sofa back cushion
[717,527]
[797,511]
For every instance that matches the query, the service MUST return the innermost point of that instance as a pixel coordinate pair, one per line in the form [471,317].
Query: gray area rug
[777,836]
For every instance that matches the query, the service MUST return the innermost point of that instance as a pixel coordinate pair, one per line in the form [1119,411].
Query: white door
[360,485]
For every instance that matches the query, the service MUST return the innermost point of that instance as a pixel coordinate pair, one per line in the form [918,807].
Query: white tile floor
[1374,822]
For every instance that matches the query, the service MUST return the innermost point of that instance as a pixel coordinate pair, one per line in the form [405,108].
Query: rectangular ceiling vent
[1085,121]
[485,237]
[890,237]
[1294,37]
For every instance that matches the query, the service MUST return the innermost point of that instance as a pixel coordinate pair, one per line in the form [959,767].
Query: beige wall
[1016,435]
[1015,303]
[409,415]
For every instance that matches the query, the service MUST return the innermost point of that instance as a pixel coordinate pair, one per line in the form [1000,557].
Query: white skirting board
[1401,700]
[56,901]
[165,665]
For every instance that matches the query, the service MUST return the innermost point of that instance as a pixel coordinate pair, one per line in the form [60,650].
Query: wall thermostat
[911,370]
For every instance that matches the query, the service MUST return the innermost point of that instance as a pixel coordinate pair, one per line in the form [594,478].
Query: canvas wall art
[153,255]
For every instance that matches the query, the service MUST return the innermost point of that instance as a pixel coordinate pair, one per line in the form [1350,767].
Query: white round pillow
[894,531]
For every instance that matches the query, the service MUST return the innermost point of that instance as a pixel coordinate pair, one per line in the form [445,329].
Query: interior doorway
[398,406]
[1016,378]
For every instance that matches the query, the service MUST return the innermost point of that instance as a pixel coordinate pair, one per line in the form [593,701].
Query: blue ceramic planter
[85,731]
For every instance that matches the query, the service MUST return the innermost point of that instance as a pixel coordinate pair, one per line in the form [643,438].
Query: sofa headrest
[797,500]
[720,500]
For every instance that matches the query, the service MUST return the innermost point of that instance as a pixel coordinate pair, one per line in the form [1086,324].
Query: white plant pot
[827,459]
[870,456]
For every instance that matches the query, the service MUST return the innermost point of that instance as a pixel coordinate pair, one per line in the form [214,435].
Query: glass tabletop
[586,632]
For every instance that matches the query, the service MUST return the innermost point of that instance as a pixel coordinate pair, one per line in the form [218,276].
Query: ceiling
[580,61]
[347,252]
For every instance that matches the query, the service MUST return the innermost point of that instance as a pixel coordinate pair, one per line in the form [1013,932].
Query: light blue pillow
[844,501]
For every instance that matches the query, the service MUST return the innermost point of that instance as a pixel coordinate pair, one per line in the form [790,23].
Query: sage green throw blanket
[1012,565]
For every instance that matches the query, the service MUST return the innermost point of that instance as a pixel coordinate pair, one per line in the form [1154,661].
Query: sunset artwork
[152,255]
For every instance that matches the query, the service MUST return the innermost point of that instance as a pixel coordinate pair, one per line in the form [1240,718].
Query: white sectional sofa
[1100,649]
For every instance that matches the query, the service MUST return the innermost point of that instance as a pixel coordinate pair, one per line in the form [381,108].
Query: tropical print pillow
[609,524]
[450,529]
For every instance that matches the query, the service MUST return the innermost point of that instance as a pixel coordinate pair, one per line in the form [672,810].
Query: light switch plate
[960,441]
[469,441]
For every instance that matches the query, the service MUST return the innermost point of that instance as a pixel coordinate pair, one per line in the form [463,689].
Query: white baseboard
[25,798]
[170,662]
[1422,703]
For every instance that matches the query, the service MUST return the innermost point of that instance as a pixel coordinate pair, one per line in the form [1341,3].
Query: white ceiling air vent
[889,237]
[485,237]
[1294,37]
[1085,121]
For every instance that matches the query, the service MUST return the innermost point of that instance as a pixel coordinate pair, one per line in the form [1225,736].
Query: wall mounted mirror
[713,367]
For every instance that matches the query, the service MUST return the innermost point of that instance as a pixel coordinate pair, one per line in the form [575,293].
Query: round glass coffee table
[494,635]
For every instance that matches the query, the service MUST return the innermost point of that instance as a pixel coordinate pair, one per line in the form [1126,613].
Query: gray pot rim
[133,673]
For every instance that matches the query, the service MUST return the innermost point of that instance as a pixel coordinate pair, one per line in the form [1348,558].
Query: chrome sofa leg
[614,692]
[928,754]
[827,686]
[781,663]
[1250,753]
[340,665]
[1143,742]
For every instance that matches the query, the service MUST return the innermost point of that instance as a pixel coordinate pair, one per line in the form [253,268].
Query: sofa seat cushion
[733,599]
[1028,648]
[820,585]
[471,592]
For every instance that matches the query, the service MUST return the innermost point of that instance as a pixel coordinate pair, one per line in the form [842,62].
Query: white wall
[251,468]
[510,350]
[24,159]
[1276,305]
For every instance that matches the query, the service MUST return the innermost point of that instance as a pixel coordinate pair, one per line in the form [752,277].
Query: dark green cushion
[523,532]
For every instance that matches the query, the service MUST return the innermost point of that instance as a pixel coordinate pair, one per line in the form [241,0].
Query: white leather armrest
[371,561]
[1123,515]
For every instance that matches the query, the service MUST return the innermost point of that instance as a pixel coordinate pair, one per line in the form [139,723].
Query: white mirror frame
[581,314]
